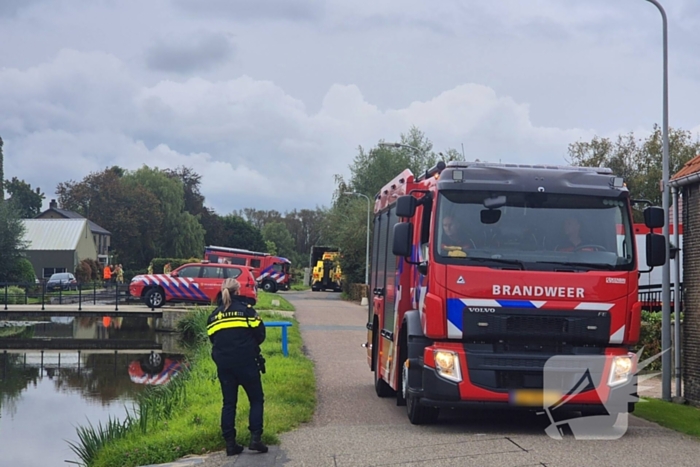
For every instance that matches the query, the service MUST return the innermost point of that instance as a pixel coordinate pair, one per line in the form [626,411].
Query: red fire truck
[271,272]
[545,265]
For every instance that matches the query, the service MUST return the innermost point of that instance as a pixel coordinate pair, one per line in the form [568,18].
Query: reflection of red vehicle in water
[155,369]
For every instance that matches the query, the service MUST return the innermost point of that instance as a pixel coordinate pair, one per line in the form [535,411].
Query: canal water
[59,373]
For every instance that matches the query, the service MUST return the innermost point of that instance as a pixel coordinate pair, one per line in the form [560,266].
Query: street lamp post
[367,246]
[400,145]
[666,271]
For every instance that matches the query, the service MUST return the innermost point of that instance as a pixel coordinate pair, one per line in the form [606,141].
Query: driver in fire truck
[574,238]
[454,237]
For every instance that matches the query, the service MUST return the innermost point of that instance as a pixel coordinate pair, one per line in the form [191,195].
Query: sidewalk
[342,429]
[652,387]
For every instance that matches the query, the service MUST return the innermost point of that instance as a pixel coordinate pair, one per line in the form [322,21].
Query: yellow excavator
[326,272]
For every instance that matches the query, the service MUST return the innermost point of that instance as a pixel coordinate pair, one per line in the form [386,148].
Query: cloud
[294,10]
[182,54]
[11,8]
[253,143]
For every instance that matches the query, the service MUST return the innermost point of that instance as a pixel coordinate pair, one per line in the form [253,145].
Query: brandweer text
[538,291]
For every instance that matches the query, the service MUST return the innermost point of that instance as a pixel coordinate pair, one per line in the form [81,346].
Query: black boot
[233,448]
[256,443]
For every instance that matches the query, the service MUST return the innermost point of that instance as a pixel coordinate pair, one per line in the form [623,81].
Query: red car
[192,283]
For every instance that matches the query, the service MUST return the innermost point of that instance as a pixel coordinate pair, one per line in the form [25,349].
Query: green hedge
[175,263]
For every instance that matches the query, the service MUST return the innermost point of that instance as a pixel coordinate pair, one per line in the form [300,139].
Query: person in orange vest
[166,268]
[107,275]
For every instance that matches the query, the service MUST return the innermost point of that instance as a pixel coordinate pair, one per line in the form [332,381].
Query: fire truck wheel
[418,414]
[269,286]
[154,298]
[403,382]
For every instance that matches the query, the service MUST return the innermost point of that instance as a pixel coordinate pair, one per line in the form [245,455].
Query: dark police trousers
[249,377]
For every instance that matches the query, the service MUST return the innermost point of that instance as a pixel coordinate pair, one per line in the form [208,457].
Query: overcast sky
[268,99]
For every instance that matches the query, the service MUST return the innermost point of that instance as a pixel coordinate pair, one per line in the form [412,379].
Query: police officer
[236,332]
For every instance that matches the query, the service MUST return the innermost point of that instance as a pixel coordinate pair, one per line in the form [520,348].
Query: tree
[11,240]
[2,173]
[345,223]
[242,234]
[277,233]
[181,234]
[214,231]
[27,200]
[130,212]
[258,218]
[638,161]
[305,227]
[371,170]
[191,182]
[343,229]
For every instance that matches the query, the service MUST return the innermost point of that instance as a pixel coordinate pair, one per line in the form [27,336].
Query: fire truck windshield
[542,231]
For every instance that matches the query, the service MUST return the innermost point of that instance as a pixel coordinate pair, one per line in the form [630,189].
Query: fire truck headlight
[620,371]
[447,365]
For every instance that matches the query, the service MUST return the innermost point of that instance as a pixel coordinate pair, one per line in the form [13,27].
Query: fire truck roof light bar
[436,169]
[598,170]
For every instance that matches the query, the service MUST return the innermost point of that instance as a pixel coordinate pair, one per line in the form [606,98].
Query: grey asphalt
[353,427]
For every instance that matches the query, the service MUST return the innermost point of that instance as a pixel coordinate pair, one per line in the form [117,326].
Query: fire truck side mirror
[654,217]
[406,206]
[403,236]
[656,250]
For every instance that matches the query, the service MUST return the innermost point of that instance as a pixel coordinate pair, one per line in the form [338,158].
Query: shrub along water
[183,417]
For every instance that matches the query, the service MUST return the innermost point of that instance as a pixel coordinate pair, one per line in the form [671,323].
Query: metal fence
[651,298]
[94,293]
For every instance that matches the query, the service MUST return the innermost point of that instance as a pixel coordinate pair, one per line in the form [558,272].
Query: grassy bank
[265,302]
[184,418]
[682,418]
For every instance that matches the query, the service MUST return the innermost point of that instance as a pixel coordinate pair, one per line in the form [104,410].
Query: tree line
[152,213]
[155,212]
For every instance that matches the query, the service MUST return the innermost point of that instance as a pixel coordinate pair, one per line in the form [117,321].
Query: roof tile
[690,167]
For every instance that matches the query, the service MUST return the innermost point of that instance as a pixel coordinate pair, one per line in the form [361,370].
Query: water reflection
[58,373]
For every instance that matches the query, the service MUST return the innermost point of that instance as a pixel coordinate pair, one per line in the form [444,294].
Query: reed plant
[183,417]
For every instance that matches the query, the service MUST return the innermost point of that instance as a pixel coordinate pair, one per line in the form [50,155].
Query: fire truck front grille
[533,325]
[500,372]
[537,324]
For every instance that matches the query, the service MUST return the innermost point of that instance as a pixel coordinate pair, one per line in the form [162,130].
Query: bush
[355,292]
[175,263]
[650,338]
[15,295]
[83,272]
[23,272]
[95,269]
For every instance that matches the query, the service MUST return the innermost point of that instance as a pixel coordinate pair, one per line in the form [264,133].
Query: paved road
[353,427]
